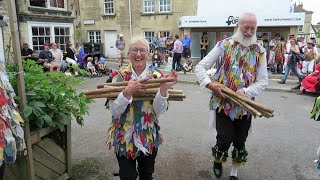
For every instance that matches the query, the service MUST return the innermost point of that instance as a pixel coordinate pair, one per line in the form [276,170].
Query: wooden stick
[116,89]
[149,81]
[149,99]
[265,114]
[115,95]
[245,99]
[244,105]
[155,90]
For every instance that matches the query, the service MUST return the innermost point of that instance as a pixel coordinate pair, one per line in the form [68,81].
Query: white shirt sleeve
[256,88]
[316,50]
[119,105]
[206,63]
[160,103]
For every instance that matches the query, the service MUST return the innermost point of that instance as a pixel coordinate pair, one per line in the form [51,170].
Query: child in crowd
[187,67]
[169,62]
[156,58]
[98,65]
[104,67]
[272,57]
[90,66]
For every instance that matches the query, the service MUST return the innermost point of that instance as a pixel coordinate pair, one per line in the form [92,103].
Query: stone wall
[120,22]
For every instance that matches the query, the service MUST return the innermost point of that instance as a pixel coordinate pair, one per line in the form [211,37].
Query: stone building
[101,21]
[40,21]
[46,21]
[305,29]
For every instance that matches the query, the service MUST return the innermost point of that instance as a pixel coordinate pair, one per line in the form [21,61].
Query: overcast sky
[312,5]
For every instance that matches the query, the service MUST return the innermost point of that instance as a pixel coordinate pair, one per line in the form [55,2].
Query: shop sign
[264,20]
[88,22]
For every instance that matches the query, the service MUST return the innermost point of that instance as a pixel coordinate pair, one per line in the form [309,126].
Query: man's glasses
[135,51]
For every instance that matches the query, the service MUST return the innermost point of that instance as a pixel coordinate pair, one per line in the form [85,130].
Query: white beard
[245,41]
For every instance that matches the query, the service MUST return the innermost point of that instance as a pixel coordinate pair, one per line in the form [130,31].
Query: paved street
[280,148]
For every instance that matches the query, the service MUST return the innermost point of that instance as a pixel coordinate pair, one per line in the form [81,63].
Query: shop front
[219,26]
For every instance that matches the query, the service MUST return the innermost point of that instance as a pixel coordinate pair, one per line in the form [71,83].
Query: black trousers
[176,59]
[229,131]
[128,170]
[203,53]
[2,172]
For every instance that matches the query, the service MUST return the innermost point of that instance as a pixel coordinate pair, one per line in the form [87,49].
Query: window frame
[47,5]
[51,26]
[170,6]
[113,7]
[149,39]
[166,35]
[152,7]
[95,39]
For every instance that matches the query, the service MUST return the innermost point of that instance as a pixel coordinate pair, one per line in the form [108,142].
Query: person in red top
[310,82]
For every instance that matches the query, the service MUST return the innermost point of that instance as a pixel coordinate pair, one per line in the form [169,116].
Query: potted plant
[52,103]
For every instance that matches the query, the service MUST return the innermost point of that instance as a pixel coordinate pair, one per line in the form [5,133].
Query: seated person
[90,66]
[156,58]
[103,66]
[187,67]
[26,52]
[169,62]
[311,82]
[57,56]
[78,49]
[97,63]
[46,59]
[70,58]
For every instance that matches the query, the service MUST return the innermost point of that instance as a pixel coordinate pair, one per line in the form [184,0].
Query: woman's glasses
[135,51]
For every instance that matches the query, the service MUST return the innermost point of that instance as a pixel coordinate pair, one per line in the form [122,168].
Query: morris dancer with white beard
[244,70]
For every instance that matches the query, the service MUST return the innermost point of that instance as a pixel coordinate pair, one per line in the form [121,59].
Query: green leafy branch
[52,99]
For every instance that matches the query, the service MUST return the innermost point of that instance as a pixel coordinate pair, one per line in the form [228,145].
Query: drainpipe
[130,19]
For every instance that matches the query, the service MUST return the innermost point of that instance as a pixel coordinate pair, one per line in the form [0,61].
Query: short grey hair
[135,40]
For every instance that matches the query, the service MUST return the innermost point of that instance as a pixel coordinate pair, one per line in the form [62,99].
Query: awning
[220,20]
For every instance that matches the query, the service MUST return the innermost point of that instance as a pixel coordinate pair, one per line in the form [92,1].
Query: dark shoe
[233,178]
[217,169]
[184,71]
[281,82]
[109,79]
[297,87]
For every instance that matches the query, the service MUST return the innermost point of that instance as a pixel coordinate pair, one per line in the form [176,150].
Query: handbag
[300,57]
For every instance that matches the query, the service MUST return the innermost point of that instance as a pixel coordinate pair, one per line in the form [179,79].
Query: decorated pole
[12,12]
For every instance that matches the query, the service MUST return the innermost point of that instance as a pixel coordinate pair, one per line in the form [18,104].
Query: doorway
[110,44]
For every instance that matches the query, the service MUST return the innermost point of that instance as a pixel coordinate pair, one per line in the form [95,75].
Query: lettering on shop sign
[232,20]
[200,21]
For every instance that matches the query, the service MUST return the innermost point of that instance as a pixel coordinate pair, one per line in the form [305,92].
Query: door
[195,40]
[110,44]
[195,37]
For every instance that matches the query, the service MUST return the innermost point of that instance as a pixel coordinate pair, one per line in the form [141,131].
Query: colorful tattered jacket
[238,69]
[11,132]
[137,129]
